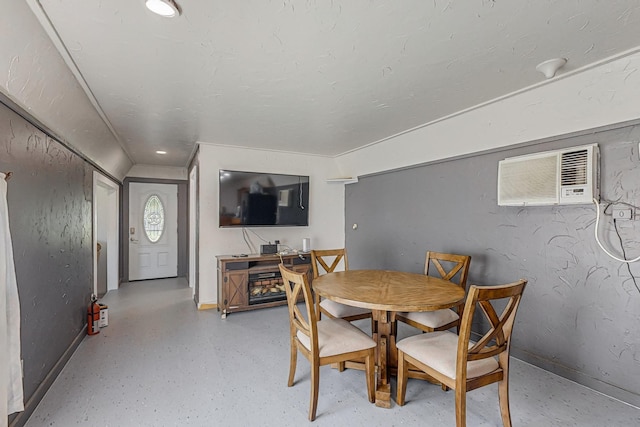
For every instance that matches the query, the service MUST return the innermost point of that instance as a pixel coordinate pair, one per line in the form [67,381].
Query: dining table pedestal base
[383,396]
[383,334]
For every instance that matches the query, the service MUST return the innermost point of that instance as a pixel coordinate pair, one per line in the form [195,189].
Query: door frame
[183,219]
[193,229]
[112,212]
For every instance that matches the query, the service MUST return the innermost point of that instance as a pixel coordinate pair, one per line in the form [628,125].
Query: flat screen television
[254,199]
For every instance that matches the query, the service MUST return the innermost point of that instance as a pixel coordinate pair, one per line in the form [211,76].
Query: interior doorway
[106,208]
[193,229]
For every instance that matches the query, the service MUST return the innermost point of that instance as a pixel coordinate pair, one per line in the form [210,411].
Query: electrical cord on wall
[300,194]
[259,236]
[616,202]
[624,254]
[615,227]
[248,241]
[595,232]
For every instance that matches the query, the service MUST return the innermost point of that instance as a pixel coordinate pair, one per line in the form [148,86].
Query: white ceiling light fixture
[550,68]
[166,8]
[161,152]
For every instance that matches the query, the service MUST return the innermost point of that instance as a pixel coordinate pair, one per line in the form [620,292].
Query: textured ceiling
[321,77]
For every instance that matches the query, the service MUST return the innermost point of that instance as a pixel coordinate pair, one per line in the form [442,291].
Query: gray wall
[580,313]
[49,198]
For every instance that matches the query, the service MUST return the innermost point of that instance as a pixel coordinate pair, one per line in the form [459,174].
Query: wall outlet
[622,213]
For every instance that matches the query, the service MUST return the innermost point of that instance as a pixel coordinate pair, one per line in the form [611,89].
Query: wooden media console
[253,281]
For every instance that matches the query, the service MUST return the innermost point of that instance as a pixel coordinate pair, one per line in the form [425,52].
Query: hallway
[161,362]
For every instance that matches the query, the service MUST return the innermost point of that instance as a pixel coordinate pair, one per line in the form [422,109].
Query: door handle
[134,240]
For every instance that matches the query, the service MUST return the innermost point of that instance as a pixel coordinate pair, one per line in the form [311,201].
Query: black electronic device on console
[268,249]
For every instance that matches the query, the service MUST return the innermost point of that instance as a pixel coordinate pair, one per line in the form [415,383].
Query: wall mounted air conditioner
[559,177]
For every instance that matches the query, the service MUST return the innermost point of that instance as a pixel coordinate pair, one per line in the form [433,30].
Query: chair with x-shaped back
[320,260]
[322,342]
[447,266]
[460,363]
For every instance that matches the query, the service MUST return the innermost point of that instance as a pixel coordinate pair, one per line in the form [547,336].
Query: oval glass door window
[153,218]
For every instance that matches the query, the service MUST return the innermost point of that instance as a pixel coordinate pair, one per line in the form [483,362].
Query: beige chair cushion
[337,336]
[342,310]
[433,319]
[439,350]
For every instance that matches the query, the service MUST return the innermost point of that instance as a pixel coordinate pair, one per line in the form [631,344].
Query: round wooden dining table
[387,292]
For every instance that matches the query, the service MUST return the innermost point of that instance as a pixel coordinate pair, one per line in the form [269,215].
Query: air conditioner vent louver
[574,166]
[568,176]
[533,179]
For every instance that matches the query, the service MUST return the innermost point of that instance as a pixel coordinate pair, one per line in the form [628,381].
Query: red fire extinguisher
[93,316]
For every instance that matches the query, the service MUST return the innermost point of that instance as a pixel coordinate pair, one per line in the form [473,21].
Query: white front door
[153,231]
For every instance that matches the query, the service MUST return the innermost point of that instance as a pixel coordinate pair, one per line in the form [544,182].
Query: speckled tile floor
[161,362]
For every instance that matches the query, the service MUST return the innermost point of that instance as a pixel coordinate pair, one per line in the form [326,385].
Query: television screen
[263,199]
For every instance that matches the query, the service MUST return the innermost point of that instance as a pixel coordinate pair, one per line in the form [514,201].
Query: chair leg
[402,378]
[503,390]
[341,367]
[461,406]
[315,380]
[293,359]
[370,368]
[503,394]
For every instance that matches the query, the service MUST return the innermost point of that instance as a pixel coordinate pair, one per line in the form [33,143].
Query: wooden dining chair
[320,260]
[447,266]
[325,341]
[462,364]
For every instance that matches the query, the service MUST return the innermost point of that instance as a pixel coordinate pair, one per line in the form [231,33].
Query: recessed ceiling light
[161,152]
[166,8]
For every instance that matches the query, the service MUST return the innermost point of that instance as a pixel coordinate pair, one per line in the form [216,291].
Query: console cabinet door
[235,289]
